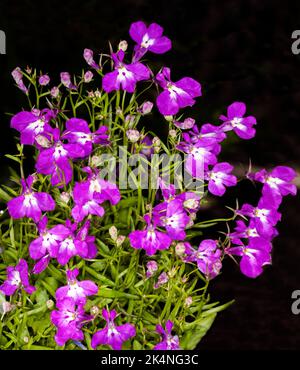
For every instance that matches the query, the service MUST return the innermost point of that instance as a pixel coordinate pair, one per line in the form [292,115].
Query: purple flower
[55,92]
[176,95]
[242,126]
[254,256]
[212,134]
[147,146]
[277,183]
[44,80]
[88,76]
[56,160]
[125,76]
[78,132]
[219,177]
[17,277]
[46,245]
[89,58]
[188,123]
[146,108]
[150,239]
[18,77]
[77,290]
[265,216]
[208,257]
[31,125]
[250,231]
[162,279]
[112,335]
[169,341]
[69,320]
[65,79]
[148,39]
[30,204]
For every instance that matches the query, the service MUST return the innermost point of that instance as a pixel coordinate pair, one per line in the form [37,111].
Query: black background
[238,50]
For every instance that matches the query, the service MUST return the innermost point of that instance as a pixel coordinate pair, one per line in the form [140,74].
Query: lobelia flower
[65,79]
[89,58]
[147,146]
[169,341]
[112,334]
[44,80]
[46,245]
[32,124]
[219,177]
[56,160]
[152,267]
[250,231]
[76,244]
[125,76]
[207,131]
[277,183]
[18,77]
[78,132]
[264,215]
[150,239]
[77,290]
[148,38]
[254,256]
[162,279]
[176,95]
[30,203]
[242,126]
[208,257]
[69,319]
[17,277]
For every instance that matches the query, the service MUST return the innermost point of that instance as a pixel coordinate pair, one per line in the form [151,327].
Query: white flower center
[174,91]
[37,126]
[274,181]
[146,41]
[16,280]
[30,201]
[75,291]
[48,240]
[59,151]
[68,244]
[236,122]
[198,153]
[124,74]
[95,186]
[191,203]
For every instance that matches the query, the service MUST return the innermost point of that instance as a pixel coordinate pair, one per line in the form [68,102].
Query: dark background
[238,50]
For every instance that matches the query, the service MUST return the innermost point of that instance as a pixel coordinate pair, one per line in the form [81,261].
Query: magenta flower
[150,239]
[30,125]
[169,341]
[78,132]
[207,257]
[176,95]
[148,39]
[113,335]
[18,77]
[219,177]
[277,183]
[212,134]
[44,80]
[89,58]
[251,231]
[30,203]
[46,245]
[17,277]
[56,160]
[255,255]
[69,320]
[125,76]
[77,290]
[242,126]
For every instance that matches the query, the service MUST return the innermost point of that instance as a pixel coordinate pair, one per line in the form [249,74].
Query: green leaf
[4,196]
[193,336]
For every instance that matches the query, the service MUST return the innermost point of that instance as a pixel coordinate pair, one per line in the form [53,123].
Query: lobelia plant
[101,246]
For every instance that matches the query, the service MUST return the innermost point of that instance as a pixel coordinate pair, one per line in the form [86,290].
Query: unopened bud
[94,311]
[133,135]
[65,197]
[120,240]
[180,249]
[88,76]
[169,118]
[188,301]
[172,133]
[156,141]
[50,304]
[123,45]
[146,108]
[96,161]
[43,141]
[26,339]
[55,92]
[151,268]
[113,232]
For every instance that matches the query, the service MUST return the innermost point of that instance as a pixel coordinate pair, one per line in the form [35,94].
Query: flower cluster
[89,238]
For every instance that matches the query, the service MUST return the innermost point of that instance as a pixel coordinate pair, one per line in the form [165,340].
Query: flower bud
[113,232]
[44,80]
[172,133]
[54,92]
[156,141]
[188,301]
[129,120]
[43,141]
[88,76]
[123,45]
[169,118]
[162,279]
[146,108]
[65,197]
[26,339]
[97,94]
[50,304]
[120,240]
[94,311]
[180,249]
[151,268]
[133,135]
[96,161]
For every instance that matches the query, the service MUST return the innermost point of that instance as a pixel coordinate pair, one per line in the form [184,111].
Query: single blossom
[30,204]
[148,38]
[77,290]
[219,177]
[169,341]
[32,124]
[69,319]
[65,79]
[17,277]
[89,58]
[18,77]
[150,239]
[125,76]
[176,95]
[207,257]
[235,120]
[57,160]
[78,132]
[112,334]
[277,183]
